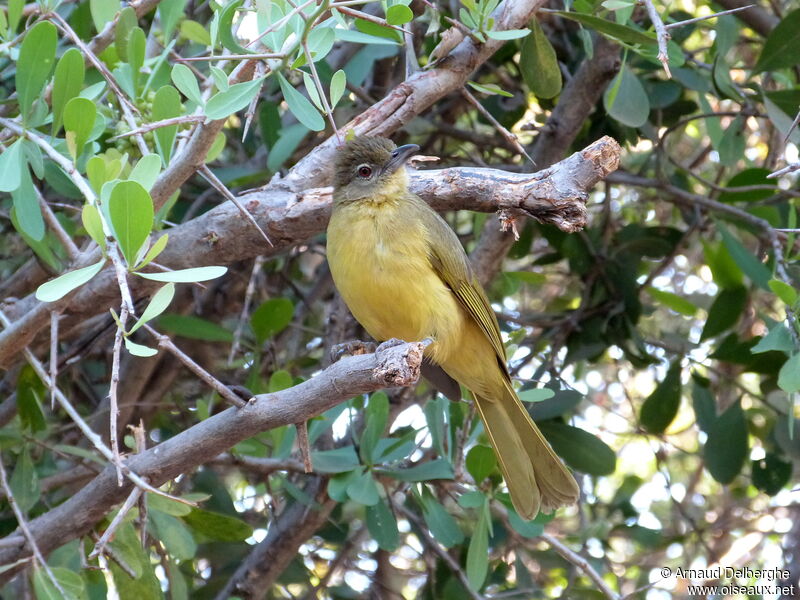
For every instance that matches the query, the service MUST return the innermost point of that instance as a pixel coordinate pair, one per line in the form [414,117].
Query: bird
[404,274]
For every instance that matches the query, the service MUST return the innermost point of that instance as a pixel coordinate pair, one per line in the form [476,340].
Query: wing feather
[450,262]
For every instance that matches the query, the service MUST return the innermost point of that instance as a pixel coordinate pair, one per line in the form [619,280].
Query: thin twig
[321,91]
[100,546]
[23,525]
[714,16]
[790,168]
[302,444]
[507,135]
[438,550]
[216,385]
[662,35]
[248,299]
[163,123]
[209,176]
[55,226]
[87,431]
[263,55]
[583,564]
[54,316]
[367,17]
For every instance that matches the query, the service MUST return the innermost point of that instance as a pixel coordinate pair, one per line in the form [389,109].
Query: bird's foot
[351,348]
[390,343]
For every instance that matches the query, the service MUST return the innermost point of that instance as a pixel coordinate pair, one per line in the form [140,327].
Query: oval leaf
[130,210]
[61,286]
[36,58]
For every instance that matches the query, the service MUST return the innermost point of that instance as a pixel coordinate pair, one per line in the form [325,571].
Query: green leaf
[166,104]
[194,328]
[507,34]
[311,90]
[26,207]
[580,449]
[272,317]
[528,529]
[90,217]
[726,272]
[223,104]
[427,471]
[399,15]
[158,304]
[789,375]
[726,447]
[195,32]
[610,29]
[15,8]
[724,312]
[126,22]
[660,407]
[130,210]
[146,171]
[137,45]
[280,380]
[749,177]
[539,64]
[364,490]
[771,473]
[377,414]
[226,28]
[103,11]
[705,408]
[175,536]
[37,56]
[60,286]
[561,403]
[382,526]
[490,88]
[12,164]
[358,37]
[783,291]
[69,581]
[536,395]
[626,100]
[167,505]
[192,275]
[779,338]
[731,146]
[478,553]
[186,82]
[79,117]
[24,482]
[782,48]
[170,11]
[300,106]
[30,392]
[672,301]
[752,267]
[338,85]
[441,524]
[219,527]
[139,349]
[480,462]
[339,460]
[67,84]
[435,410]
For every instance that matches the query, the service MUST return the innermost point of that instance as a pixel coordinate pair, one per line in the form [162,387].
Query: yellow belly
[379,261]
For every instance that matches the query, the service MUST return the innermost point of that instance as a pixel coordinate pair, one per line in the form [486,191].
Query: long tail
[535,476]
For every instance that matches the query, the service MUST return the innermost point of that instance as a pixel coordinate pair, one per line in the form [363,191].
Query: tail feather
[536,477]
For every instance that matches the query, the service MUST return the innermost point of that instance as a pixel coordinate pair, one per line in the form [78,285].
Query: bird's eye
[365,171]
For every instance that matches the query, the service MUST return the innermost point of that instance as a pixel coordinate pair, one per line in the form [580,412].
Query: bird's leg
[351,348]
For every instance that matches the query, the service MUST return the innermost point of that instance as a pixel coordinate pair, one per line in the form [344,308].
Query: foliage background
[658,347]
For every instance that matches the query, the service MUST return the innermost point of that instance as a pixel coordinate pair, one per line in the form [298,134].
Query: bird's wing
[452,265]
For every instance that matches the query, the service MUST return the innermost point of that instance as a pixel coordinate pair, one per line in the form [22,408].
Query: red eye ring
[365,171]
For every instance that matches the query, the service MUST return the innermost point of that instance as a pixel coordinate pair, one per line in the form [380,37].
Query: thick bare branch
[390,366]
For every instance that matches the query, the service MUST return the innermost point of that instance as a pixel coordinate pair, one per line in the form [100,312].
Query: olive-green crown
[371,150]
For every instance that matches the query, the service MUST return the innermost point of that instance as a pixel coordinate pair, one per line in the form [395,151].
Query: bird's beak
[399,157]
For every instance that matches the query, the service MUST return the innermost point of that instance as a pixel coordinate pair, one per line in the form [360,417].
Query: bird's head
[371,168]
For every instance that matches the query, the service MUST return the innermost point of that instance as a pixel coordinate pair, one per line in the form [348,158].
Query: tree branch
[390,366]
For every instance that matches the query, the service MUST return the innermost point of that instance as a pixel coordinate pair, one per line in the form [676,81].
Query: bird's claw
[390,343]
[351,348]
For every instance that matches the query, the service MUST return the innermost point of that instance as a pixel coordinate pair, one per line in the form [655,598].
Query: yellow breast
[378,255]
